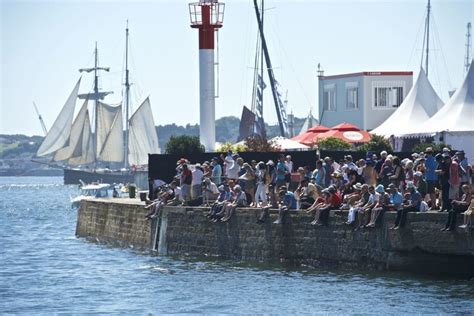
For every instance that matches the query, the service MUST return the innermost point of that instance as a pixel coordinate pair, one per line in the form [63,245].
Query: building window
[387,95]
[351,94]
[329,98]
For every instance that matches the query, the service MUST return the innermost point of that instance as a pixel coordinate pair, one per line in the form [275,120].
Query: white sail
[71,145]
[308,123]
[142,135]
[59,132]
[110,140]
[84,152]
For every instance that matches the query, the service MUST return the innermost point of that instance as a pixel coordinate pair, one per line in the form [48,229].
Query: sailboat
[252,123]
[73,141]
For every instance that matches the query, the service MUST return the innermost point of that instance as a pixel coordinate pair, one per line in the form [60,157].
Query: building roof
[369,74]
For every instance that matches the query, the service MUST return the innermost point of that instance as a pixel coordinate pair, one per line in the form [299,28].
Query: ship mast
[467,62]
[97,95]
[43,126]
[426,39]
[127,99]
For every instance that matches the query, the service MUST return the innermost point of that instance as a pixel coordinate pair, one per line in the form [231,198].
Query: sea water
[46,269]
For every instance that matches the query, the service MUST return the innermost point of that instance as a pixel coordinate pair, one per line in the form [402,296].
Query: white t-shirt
[197,177]
[289,166]
[233,172]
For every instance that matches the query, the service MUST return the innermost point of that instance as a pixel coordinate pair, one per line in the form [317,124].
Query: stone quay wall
[420,247]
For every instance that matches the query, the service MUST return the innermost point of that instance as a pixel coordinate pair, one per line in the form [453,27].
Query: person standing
[464,168]
[431,176]
[454,180]
[443,175]
[280,172]
[196,183]
[185,183]
[216,172]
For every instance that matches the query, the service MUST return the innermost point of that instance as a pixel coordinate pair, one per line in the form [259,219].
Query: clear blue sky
[43,43]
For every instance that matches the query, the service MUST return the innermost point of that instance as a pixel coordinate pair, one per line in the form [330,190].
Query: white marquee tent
[455,120]
[420,104]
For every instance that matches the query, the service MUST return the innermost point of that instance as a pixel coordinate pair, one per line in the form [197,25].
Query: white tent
[455,120]
[420,104]
[287,144]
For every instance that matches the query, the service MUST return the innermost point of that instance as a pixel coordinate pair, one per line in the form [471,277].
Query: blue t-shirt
[281,170]
[289,200]
[396,199]
[216,174]
[415,198]
[431,165]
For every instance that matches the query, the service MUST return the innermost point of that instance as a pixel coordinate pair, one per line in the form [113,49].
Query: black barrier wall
[164,166]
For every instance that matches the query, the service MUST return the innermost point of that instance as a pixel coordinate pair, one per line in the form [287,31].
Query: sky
[44,43]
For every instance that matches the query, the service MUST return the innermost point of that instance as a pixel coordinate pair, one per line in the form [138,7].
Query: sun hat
[410,185]
[380,189]
[418,174]
[357,186]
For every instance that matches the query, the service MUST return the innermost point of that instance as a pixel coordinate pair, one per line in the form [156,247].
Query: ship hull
[72,176]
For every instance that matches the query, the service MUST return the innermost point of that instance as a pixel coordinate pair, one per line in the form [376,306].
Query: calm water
[46,269]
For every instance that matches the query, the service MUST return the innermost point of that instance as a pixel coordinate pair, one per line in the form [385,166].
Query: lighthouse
[207,16]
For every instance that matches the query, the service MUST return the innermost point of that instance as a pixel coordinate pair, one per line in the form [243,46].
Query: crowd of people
[366,188]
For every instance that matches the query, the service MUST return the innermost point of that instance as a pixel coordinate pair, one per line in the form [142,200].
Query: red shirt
[335,199]
[454,173]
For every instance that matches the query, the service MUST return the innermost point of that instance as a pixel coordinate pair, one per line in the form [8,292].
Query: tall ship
[108,147]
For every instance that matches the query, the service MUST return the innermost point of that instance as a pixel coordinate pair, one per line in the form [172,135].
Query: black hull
[72,176]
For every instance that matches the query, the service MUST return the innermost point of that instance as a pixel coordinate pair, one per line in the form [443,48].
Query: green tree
[184,145]
[376,144]
[259,144]
[334,143]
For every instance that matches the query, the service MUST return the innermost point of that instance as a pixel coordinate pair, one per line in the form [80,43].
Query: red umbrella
[350,136]
[345,127]
[307,137]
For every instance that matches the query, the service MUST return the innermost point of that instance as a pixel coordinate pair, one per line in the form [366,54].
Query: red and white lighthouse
[207,16]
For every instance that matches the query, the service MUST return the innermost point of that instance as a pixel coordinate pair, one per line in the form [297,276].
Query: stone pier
[420,247]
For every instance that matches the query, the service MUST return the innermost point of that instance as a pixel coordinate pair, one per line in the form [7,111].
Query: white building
[365,99]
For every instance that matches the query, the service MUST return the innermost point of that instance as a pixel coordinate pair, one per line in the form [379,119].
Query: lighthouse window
[329,98]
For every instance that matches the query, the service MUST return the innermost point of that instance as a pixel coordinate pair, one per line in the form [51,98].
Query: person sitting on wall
[210,192]
[178,199]
[364,213]
[351,196]
[225,196]
[306,193]
[468,216]
[458,206]
[390,201]
[413,205]
[286,202]
[165,194]
[240,200]
[420,183]
[358,205]
[334,200]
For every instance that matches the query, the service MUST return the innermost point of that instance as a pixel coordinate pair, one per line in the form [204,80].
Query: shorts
[431,184]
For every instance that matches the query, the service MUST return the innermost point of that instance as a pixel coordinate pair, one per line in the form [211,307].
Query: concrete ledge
[419,247]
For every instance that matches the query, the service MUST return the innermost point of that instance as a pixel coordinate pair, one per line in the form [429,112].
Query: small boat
[92,191]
